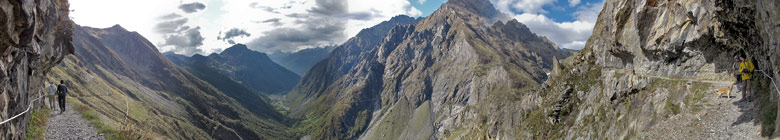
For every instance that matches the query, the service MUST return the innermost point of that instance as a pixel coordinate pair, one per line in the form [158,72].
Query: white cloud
[219,16]
[382,9]
[136,15]
[570,34]
[533,6]
[422,1]
[573,3]
[524,6]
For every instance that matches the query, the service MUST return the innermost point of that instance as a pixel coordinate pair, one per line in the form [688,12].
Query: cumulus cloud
[568,34]
[322,25]
[421,1]
[573,3]
[329,7]
[524,6]
[180,38]
[175,25]
[170,26]
[192,7]
[362,15]
[232,33]
[327,22]
[185,42]
[169,16]
[273,21]
[572,35]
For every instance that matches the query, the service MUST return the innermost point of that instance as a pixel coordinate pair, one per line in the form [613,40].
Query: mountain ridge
[301,61]
[195,108]
[419,78]
[253,69]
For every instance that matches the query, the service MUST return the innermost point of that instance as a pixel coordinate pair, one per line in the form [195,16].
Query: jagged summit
[415,80]
[237,48]
[400,17]
[117,27]
[471,11]
[481,7]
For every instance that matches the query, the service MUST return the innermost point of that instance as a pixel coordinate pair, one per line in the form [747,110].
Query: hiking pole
[770,78]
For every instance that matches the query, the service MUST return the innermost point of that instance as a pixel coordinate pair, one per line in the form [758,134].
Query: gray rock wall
[35,35]
[768,25]
[636,41]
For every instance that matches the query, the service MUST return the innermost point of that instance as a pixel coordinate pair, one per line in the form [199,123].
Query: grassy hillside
[152,96]
[125,103]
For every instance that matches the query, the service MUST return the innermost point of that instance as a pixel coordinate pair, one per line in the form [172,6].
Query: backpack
[62,90]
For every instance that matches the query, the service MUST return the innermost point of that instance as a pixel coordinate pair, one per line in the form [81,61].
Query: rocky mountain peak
[400,17]
[118,28]
[455,58]
[238,48]
[482,9]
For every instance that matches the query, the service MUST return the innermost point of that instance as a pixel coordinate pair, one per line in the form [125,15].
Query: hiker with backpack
[62,90]
[746,70]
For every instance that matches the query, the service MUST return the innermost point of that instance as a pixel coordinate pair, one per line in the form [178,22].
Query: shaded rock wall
[768,26]
[35,36]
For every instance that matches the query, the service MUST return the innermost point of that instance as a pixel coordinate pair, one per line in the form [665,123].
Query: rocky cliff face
[457,73]
[340,61]
[641,66]
[768,28]
[35,36]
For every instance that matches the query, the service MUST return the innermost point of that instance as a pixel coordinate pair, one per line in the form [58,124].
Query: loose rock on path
[70,126]
[721,119]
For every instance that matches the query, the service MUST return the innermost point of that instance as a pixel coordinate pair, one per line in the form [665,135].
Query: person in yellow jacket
[746,68]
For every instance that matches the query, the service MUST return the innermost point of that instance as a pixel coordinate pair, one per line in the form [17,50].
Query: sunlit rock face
[627,78]
[460,72]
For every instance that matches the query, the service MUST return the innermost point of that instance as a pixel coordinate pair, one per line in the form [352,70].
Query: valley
[467,69]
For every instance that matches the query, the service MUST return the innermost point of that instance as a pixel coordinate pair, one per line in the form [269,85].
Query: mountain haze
[301,61]
[255,70]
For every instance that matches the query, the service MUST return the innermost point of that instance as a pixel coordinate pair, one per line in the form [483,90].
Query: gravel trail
[721,119]
[70,126]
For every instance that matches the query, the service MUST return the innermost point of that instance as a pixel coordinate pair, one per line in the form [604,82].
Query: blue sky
[428,6]
[568,23]
[559,11]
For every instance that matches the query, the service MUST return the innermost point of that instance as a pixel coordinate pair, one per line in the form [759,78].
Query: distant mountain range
[467,71]
[255,70]
[405,78]
[452,73]
[301,61]
[117,72]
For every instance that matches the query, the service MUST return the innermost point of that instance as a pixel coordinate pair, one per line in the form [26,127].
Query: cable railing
[20,114]
[771,79]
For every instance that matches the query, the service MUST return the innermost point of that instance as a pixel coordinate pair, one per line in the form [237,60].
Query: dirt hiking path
[70,126]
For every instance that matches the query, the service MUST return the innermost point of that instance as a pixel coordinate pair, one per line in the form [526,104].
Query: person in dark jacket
[62,91]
